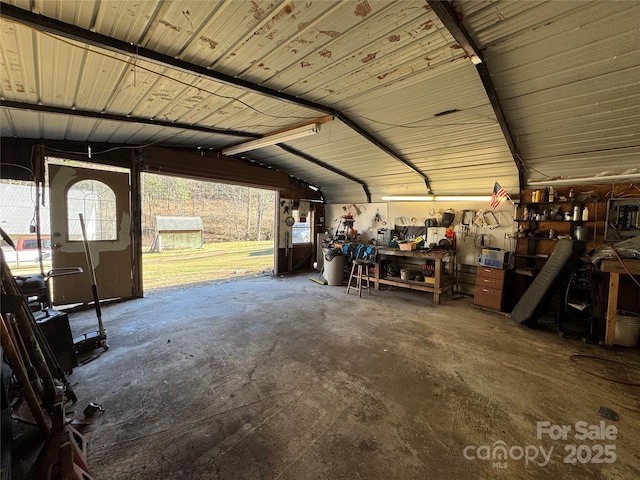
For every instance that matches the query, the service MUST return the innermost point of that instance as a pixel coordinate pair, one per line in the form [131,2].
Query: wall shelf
[537,238]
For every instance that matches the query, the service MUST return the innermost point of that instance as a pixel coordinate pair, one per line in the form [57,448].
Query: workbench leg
[438,281]
[612,309]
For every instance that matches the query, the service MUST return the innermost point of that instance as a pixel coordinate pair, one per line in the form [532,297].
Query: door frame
[116,283]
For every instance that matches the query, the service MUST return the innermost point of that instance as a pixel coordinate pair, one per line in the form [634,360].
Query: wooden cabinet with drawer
[489,287]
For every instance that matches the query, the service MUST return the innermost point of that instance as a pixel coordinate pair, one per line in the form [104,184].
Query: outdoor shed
[175,233]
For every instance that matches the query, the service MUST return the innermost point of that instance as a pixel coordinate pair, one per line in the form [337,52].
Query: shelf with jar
[544,216]
[541,219]
[557,219]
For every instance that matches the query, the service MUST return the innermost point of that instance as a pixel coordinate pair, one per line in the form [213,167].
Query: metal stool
[360,270]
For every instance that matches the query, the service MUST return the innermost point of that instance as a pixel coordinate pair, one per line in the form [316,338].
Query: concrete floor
[282,378]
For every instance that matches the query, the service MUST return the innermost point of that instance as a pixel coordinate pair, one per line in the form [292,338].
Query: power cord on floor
[633,384]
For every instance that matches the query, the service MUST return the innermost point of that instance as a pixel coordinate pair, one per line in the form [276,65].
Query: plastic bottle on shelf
[552,194]
[572,194]
[545,195]
[585,214]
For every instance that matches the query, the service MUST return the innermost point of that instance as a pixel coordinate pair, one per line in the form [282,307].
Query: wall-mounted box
[623,219]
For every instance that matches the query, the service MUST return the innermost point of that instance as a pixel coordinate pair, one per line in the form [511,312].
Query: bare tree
[229,212]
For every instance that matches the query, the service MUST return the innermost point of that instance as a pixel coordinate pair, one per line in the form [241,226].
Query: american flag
[498,194]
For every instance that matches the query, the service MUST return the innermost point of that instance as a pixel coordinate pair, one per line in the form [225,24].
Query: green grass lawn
[213,262]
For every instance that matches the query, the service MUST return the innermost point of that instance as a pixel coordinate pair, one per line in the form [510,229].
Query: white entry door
[103,199]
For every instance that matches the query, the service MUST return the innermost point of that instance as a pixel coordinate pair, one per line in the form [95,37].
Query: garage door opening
[200,231]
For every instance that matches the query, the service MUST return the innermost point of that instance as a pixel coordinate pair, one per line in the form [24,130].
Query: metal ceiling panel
[7,127]
[143,89]
[18,69]
[189,25]
[494,22]
[30,124]
[468,140]
[70,11]
[386,52]
[93,93]
[342,194]
[567,75]
[79,129]
[297,169]
[211,31]
[23,124]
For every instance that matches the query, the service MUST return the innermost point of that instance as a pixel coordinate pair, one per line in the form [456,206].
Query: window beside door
[301,232]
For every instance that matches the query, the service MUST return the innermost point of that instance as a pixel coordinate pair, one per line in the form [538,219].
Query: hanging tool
[496,221]
[467,221]
[90,341]
[479,219]
[484,239]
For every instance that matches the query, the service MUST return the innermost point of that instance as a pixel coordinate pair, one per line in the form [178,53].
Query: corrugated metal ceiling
[565,74]
[568,77]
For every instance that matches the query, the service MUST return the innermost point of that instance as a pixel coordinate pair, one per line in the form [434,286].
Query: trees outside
[229,212]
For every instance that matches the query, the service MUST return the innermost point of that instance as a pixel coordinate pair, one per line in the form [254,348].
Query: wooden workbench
[441,283]
[615,268]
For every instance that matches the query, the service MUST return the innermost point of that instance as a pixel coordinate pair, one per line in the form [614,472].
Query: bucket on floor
[627,330]
[334,270]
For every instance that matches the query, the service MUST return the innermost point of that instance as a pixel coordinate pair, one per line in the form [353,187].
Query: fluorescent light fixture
[578,181]
[409,198]
[463,198]
[269,140]
[437,198]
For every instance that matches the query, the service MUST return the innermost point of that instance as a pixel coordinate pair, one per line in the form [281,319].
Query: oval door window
[97,203]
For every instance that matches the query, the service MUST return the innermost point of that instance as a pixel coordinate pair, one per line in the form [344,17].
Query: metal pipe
[92,274]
